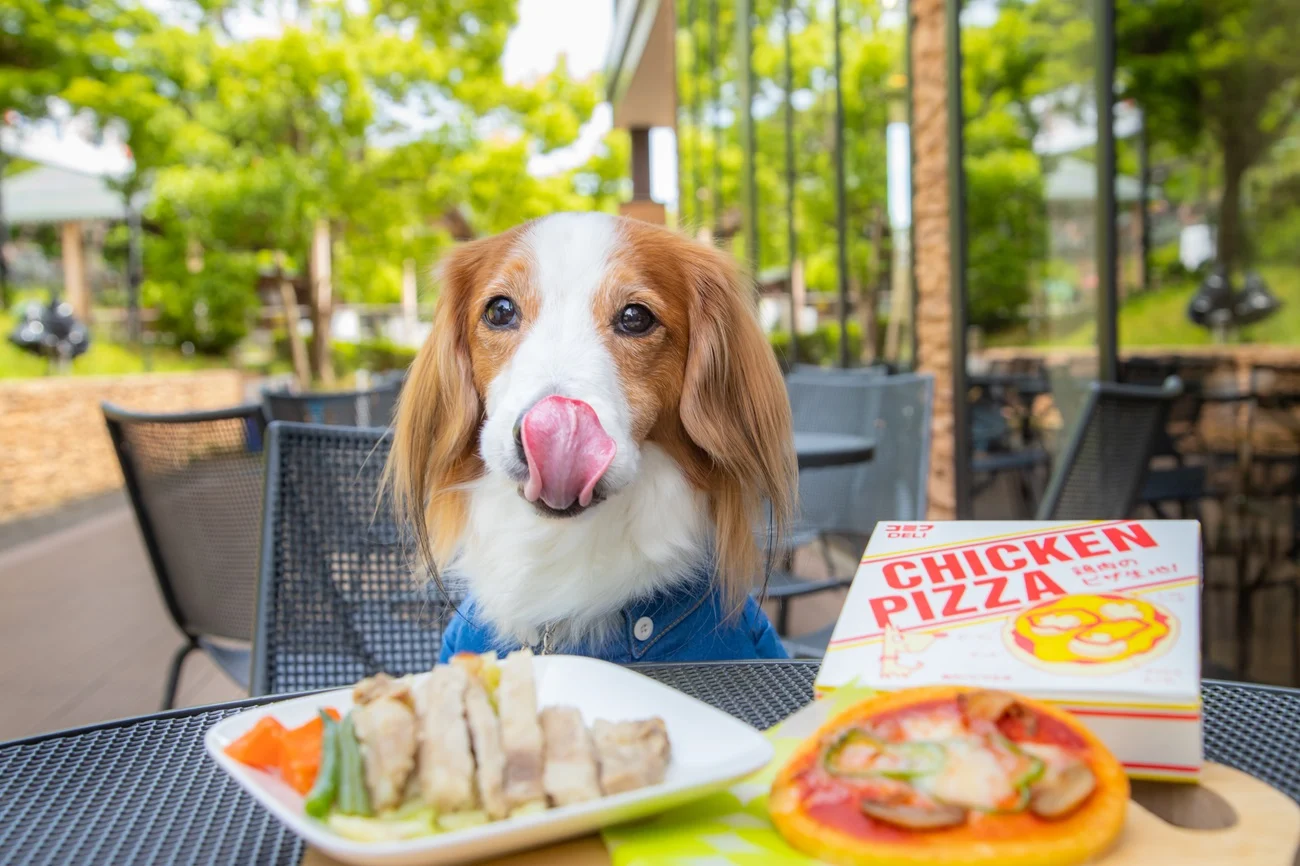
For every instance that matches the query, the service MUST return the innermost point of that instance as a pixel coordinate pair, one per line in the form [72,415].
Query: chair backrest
[892,486]
[1100,472]
[339,597]
[195,482]
[1070,393]
[841,372]
[824,402]
[370,408]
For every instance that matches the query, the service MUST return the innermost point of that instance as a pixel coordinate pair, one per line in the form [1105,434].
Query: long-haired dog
[592,440]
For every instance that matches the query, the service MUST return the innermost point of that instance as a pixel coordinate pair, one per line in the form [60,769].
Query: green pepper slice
[858,755]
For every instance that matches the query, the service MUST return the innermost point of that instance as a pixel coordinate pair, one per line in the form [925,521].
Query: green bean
[325,789]
[354,799]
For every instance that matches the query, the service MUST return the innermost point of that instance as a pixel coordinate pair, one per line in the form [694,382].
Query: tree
[872,53]
[373,119]
[46,44]
[1222,71]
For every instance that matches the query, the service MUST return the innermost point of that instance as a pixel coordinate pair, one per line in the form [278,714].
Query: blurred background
[205,202]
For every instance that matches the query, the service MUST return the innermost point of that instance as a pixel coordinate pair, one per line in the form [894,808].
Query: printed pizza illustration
[1085,634]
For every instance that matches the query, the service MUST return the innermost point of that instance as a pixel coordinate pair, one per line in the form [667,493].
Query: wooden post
[930,219]
[322,303]
[297,348]
[799,293]
[75,291]
[410,292]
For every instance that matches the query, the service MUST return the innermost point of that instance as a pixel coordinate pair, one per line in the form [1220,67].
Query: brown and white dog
[595,421]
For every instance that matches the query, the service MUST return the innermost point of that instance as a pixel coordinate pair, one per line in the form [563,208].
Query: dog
[594,440]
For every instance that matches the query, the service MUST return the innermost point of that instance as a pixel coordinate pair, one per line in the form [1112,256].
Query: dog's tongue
[567,450]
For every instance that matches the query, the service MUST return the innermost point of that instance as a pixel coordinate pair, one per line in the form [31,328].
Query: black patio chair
[823,401]
[1104,465]
[339,597]
[373,407]
[891,487]
[195,482]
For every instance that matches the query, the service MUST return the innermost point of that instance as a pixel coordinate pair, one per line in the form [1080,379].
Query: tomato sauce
[834,803]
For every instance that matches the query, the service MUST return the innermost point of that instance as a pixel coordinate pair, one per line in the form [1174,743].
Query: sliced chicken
[485,734]
[632,754]
[570,772]
[446,763]
[386,732]
[521,735]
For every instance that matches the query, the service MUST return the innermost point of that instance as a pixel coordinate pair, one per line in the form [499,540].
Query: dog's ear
[435,437]
[734,407]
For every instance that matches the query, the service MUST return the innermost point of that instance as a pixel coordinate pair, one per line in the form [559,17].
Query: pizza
[945,775]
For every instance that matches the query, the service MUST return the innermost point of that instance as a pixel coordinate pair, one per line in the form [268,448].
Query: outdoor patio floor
[84,636]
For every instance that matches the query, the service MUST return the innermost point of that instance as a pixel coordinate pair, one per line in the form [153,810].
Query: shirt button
[644,627]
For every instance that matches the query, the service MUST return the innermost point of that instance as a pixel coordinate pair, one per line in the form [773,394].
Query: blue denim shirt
[685,625]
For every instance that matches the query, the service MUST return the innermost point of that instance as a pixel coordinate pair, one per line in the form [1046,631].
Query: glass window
[793,113]
[1032,289]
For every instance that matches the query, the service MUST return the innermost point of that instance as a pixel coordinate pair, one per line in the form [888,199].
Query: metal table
[823,450]
[142,791]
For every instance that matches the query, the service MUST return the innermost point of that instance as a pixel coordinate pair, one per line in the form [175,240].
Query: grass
[101,359]
[1159,318]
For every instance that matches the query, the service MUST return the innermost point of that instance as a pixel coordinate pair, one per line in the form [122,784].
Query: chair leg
[827,558]
[174,674]
[783,617]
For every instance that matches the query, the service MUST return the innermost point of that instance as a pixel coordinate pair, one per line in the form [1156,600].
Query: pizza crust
[995,840]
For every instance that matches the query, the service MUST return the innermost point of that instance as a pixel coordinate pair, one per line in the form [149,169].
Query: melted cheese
[972,776]
[1054,758]
[931,727]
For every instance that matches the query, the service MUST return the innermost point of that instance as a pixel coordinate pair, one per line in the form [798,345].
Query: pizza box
[1100,618]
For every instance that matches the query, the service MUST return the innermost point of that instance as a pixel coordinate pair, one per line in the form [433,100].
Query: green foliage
[1218,80]
[377,355]
[872,55]
[210,308]
[1166,266]
[822,346]
[377,117]
[1008,234]
[47,44]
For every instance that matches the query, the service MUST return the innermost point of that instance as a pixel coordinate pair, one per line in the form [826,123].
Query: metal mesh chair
[370,408]
[339,598]
[822,401]
[1104,465]
[195,483]
[891,487]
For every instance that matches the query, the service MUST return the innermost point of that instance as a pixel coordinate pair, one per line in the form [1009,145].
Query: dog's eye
[635,319]
[501,313]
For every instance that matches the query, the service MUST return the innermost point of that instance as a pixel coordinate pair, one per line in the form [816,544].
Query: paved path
[84,636]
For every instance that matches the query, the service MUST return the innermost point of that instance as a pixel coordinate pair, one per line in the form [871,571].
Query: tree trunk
[322,303]
[297,348]
[1230,244]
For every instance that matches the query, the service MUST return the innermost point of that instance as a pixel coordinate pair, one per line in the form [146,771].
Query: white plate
[710,751]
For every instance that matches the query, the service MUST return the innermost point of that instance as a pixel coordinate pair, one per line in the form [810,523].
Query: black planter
[1255,302]
[1212,305]
[51,331]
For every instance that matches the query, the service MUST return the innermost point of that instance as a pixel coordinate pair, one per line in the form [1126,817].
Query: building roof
[48,194]
[641,64]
